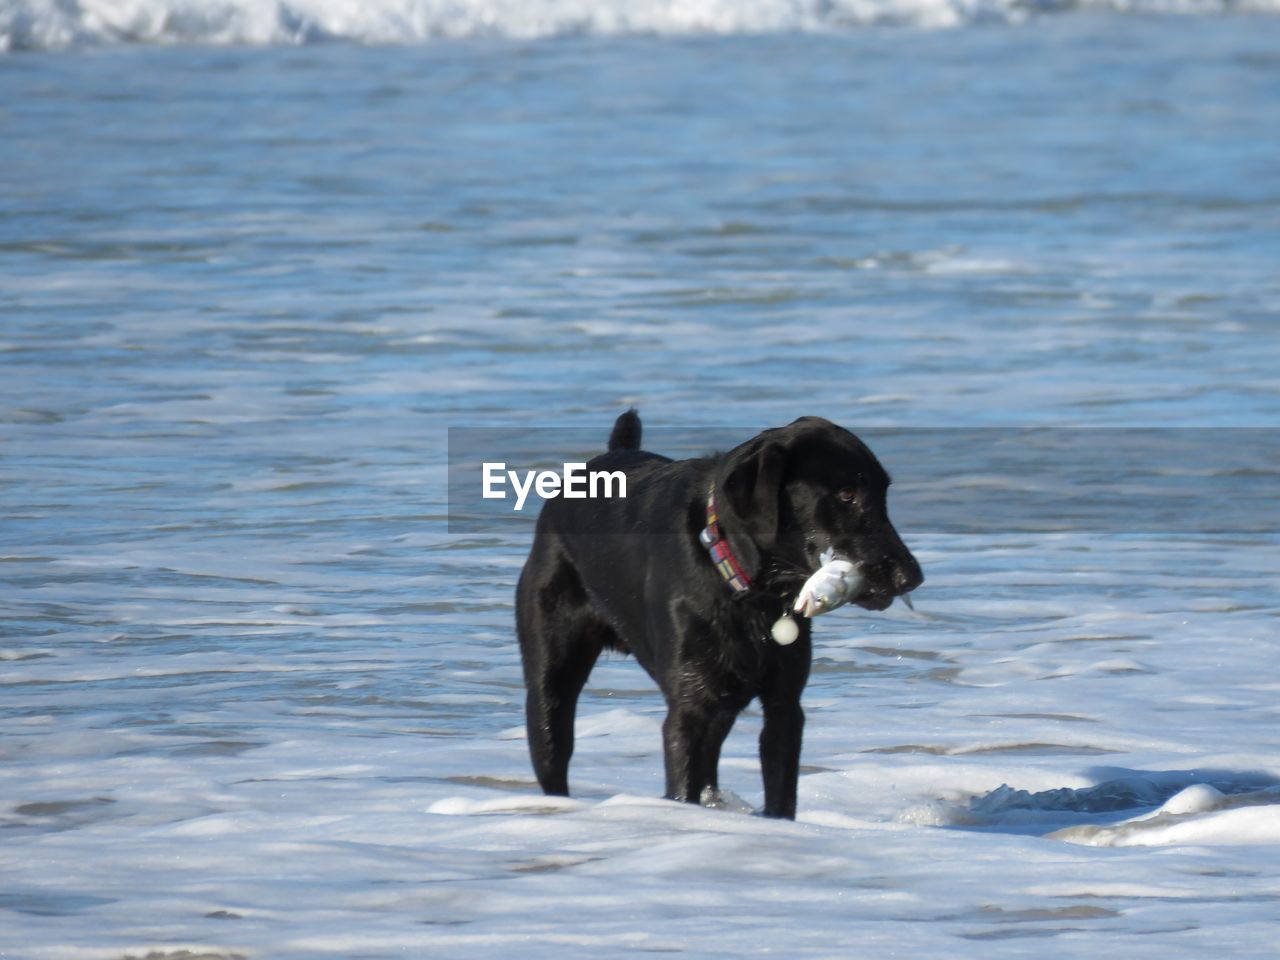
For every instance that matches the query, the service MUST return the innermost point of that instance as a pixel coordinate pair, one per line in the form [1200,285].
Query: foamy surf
[54,25]
[1200,814]
[1137,808]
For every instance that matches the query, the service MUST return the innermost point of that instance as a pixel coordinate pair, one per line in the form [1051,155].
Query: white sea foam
[52,24]
[1201,814]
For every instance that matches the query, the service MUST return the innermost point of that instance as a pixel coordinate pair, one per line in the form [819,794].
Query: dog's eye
[847,494]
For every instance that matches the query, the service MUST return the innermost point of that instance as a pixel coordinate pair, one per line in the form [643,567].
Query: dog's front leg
[780,741]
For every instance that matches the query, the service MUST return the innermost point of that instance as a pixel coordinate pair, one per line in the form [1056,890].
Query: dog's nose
[907,575]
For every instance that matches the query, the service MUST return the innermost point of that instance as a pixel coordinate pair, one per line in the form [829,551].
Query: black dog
[688,573]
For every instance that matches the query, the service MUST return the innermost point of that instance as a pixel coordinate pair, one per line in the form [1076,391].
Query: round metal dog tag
[785,630]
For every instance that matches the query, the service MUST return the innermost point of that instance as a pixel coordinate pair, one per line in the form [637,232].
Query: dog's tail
[626,432]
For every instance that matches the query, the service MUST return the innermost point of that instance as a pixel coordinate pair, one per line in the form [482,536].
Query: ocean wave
[68,24]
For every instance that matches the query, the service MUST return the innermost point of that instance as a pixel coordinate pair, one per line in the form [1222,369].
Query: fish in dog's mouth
[832,585]
[839,581]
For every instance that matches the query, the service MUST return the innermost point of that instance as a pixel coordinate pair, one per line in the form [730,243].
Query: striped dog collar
[713,539]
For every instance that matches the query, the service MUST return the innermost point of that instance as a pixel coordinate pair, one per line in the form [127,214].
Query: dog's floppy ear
[748,494]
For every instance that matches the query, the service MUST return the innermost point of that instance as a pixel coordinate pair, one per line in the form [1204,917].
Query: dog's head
[791,493]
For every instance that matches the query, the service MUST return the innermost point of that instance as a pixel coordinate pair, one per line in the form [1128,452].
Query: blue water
[244,293]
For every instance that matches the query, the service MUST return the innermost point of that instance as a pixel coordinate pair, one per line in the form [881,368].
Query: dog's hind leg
[560,641]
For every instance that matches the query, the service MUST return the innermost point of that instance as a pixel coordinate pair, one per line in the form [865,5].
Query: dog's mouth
[883,600]
[875,600]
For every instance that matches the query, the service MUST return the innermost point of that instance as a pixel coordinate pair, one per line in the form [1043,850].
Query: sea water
[257,260]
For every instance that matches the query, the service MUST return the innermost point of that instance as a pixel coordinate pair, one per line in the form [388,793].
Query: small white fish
[834,585]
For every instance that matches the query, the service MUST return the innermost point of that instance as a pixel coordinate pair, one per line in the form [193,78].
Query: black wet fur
[630,575]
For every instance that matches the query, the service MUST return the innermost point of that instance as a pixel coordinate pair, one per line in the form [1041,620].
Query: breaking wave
[64,24]
[1135,809]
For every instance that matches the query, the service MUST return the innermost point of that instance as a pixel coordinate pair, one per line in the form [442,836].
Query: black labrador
[689,573]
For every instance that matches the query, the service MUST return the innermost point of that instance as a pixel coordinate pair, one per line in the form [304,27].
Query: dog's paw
[714,799]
